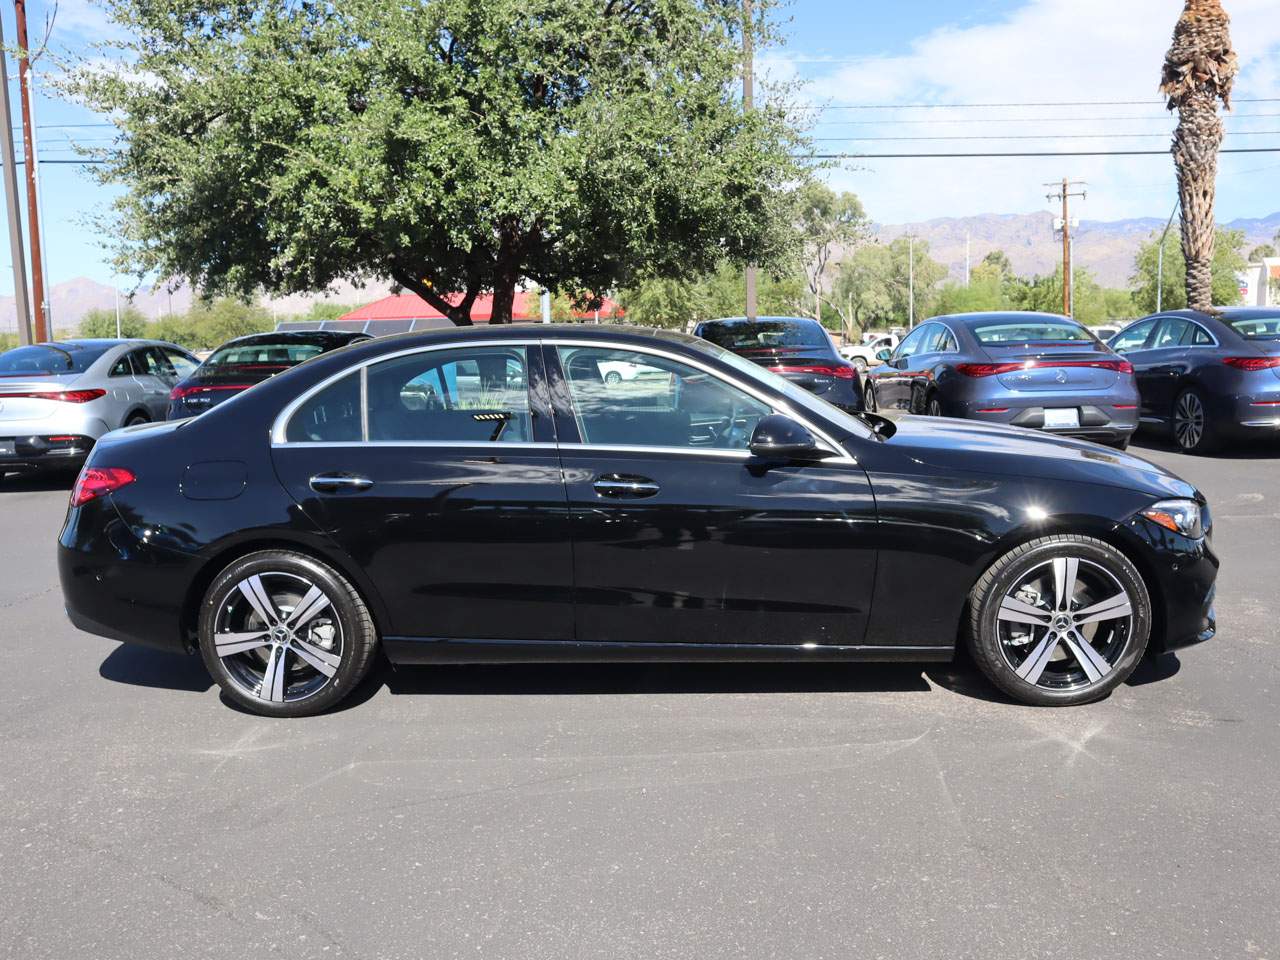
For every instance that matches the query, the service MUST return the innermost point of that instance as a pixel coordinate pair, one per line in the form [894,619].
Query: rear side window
[468,395]
[330,416]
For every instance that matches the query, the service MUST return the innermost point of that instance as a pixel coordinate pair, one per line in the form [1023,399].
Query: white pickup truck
[863,355]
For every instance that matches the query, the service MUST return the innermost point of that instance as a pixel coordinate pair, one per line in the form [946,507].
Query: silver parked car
[58,399]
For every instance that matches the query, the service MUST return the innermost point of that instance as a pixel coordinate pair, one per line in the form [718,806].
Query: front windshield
[1265,326]
[798,396]
[50,360]
[1013,331]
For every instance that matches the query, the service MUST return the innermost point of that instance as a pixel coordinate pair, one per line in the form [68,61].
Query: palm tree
[1199,70]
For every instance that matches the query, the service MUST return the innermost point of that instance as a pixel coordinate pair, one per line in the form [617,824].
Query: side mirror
[777,437]
[884,356]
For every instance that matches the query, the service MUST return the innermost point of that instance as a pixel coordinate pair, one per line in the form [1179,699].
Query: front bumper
[1183,573]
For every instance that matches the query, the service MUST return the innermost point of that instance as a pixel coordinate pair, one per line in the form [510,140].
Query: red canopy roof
[410,306]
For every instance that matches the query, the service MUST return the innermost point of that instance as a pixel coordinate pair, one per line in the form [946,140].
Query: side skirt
[428,650]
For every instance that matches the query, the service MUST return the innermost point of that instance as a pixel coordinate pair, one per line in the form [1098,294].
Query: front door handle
[618,485]
[333,482]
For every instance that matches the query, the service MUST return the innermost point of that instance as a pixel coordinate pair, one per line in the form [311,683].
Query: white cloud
[1046,51]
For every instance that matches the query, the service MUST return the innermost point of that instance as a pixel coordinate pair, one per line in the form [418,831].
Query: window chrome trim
[774,404]
[279,426]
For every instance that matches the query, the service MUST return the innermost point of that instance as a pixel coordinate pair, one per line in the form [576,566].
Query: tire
[136,419]
[613,378]
[1121,445]
[860,364]
[314,669]
[1015,621]
[869,399]
[933,406]
[1192,428]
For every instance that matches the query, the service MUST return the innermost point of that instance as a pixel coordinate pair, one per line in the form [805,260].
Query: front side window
[467,395]
[913,343]
[660,402]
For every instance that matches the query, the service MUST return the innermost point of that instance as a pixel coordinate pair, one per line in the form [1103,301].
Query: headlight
[1180,516]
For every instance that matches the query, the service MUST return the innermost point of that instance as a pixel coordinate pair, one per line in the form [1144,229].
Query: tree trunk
[506,275]
[459,313]
[1195,155]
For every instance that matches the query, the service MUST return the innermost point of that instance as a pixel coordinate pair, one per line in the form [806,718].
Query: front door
[894,381]
[680,536]
[1133,344]
[444,487]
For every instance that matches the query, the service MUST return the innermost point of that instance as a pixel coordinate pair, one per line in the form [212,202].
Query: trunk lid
[1047,368]
[807,367]
[20,396]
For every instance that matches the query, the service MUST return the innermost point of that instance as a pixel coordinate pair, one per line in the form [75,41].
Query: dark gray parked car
[1035,370]
[1207,379]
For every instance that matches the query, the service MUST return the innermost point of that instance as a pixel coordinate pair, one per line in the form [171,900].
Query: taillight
[1252,363]
[95,482]
[995,369]
[177,393]
[840,373]
[65,396]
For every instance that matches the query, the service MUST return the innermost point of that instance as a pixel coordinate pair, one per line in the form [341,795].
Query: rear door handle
[619,485]
[333,482]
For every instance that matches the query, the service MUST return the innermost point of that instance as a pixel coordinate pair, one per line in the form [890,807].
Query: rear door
[436,472]
[156,376]
[679,535]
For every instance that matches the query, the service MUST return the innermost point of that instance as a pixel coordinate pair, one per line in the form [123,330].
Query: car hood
[985,448]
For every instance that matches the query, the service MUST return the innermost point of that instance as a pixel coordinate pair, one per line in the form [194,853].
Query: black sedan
[465,496]
[795,348]
[1207,379]
[239,364]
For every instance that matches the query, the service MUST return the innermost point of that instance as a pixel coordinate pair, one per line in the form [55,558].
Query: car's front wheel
[1059,621]
[284,634]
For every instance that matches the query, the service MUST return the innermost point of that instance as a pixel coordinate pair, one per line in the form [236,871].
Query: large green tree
[1228,260]
[451,146]
[828,222]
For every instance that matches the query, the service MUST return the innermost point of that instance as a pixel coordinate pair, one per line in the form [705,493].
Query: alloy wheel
[1065,624]
[279,637]
[934,408]
[869,399]
[1189,421]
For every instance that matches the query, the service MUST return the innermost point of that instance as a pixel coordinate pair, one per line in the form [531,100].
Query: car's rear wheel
[285,635]
[136,419]
[859,364]
[869,399]
[1059,621]
[933,407]
[1191,427]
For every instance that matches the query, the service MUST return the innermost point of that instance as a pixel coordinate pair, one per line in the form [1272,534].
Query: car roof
[315,337]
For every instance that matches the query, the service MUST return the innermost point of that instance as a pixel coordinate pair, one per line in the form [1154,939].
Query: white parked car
[863,355]
[619,371]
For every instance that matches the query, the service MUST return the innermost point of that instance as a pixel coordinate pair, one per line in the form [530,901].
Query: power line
[1038,136]
[1164,118]
[1042,103]
[1030,153]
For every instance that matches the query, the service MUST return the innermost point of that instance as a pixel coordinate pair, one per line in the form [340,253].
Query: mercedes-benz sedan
[466,496]
[1035,370]
[57,399]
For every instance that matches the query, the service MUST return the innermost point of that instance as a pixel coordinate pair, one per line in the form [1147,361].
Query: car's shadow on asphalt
[37,482]
[141,666]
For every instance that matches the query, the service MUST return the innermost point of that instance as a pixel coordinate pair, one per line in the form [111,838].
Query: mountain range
[1105,248]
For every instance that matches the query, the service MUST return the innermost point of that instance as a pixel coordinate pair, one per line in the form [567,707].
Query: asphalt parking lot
[644,811]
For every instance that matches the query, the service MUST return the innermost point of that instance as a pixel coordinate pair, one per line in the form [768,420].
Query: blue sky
[843,55]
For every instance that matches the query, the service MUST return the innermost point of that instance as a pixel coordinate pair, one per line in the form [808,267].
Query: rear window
[1030,331]
[1256,327]
[740,335]
[273,356]
[49,360]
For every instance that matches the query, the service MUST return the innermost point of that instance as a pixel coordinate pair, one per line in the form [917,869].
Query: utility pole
[1160,258]
[1065,194]
[20,302]
[1071,280]
[749,104]
[28,148]
[966,257]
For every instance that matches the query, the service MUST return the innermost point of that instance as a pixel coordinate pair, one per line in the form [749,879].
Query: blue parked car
[1036,370]
[1207,379]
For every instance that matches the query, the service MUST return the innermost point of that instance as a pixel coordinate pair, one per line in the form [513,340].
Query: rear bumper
[116,586]
[1098,420]
[40,453]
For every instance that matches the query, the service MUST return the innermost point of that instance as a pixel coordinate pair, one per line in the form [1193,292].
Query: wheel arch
[218,561]
[1111,533]
[136,410]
